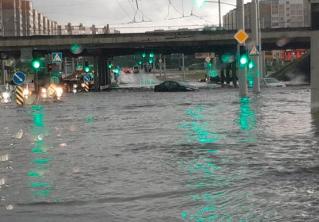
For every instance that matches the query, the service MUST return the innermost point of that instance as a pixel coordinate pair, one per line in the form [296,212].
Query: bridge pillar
[315,72]
[104,75]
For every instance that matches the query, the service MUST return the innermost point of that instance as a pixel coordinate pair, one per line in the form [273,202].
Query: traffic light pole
[255,37]
[242,72]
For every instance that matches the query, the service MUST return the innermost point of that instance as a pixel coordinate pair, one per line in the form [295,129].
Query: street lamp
[219,2]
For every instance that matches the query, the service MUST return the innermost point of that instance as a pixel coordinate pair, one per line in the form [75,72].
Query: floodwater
[144,156]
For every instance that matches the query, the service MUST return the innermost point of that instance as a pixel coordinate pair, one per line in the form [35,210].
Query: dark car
[172,86]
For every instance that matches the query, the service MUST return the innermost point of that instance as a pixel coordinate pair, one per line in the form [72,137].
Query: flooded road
[144,156]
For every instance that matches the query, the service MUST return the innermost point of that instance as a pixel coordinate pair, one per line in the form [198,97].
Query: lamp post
[219,9]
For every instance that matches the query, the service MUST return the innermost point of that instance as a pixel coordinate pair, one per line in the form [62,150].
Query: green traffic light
[86,69]
[251,64]
[151,55]
[243,60]
[36,64]
[144,55]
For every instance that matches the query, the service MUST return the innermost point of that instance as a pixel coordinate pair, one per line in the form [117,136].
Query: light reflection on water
[138,156]
[38,184]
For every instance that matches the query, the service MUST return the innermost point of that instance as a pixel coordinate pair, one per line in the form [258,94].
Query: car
[172,86]
[272,82]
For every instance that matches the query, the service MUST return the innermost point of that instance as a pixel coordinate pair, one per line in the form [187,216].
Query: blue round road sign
[87,78]
[19,78]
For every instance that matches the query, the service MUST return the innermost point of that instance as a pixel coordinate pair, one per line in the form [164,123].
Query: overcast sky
[120,13]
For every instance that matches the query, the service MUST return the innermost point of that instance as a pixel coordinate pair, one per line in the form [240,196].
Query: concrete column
[183,66]
[242,73]
[104,77]
[96,76]
[3,72]
[315,72]
[165,66]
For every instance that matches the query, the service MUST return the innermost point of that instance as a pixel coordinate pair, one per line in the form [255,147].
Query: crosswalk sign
[253,51]
[56,57]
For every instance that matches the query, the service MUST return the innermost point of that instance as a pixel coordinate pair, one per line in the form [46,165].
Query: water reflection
[39,185]
[204,168]
[247,120]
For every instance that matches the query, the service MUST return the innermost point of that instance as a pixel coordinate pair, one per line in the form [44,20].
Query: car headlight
[26,92]
[59,91]
[6,95]
[44,93]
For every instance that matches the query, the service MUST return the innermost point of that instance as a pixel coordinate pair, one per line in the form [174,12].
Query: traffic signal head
[151,55]
[143,54]
[110,65]
[251,64]
[86,67]
[243,60]
[36,64]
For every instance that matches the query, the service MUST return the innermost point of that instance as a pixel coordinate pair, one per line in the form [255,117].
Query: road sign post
[241,36]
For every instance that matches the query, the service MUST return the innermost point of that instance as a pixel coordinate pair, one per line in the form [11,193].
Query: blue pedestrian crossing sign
[19,78]
[57,57]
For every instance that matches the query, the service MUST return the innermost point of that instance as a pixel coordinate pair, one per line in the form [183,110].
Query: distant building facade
[19,18]
[273,14]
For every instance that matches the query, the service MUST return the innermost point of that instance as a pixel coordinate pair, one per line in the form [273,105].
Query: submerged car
[172,86]
[272,82]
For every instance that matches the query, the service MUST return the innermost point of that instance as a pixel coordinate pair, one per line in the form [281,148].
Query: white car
[272,82]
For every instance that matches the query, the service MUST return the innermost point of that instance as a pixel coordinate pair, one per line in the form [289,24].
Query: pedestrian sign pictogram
[57,57]
[241,36]
[253,51]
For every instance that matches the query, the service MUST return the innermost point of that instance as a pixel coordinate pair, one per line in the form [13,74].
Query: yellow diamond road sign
[241,36]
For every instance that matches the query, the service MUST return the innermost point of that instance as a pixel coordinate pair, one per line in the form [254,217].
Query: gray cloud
[120,12]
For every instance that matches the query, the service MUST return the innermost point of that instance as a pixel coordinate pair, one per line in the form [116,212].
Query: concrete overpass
[105,46]
[187,42]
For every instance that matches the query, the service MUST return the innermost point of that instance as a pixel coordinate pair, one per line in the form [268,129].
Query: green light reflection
[39,150]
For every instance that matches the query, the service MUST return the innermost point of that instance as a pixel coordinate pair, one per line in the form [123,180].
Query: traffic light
[243,58]
[251,64]
[86,67]
[36,64]
[143,54]
[110,66]
[151,55]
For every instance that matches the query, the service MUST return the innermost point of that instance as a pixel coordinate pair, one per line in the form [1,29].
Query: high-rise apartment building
[287,13]
[18,8]
[18,18]
[9,18]
[274,14]
[35,22]
[27,18]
